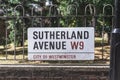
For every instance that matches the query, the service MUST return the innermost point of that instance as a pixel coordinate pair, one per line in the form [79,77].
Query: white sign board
[61,43]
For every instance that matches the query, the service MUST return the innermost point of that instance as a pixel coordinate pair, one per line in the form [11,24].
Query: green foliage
[80,6]
[67,8]
[14,1]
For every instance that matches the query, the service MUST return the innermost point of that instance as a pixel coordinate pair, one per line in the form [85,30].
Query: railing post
[115,45]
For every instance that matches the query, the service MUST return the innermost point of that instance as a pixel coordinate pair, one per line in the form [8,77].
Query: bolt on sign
[75,43]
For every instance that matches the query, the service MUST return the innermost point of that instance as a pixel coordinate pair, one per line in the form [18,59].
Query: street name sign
[76,43]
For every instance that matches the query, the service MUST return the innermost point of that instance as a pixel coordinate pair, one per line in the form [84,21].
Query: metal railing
[13,36]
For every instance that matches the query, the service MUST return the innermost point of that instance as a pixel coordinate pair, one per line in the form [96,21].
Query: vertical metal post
[115,45]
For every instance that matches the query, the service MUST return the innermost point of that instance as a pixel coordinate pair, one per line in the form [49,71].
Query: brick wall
[30,72]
